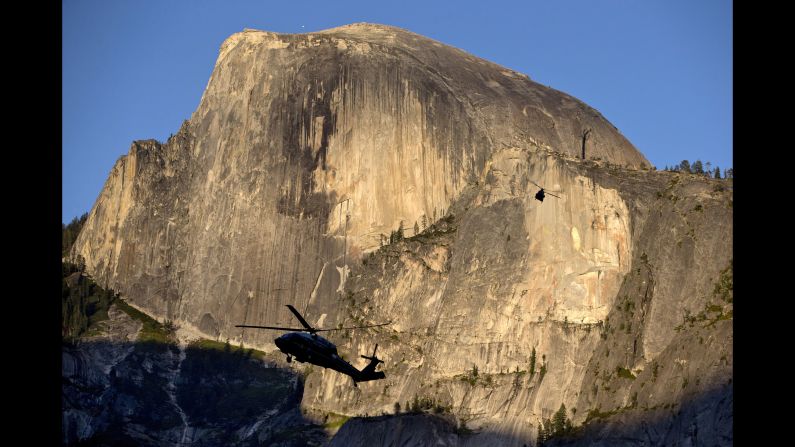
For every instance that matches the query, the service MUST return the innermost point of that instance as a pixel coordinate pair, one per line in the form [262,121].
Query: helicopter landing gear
[289,359]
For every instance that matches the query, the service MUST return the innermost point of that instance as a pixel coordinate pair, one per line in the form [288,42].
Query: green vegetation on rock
[334,421]
[83,303]
[424,404]
[152,330]
[227,347]
[559,425]
[70,232]
[625,373]
[724,287]
[596,413]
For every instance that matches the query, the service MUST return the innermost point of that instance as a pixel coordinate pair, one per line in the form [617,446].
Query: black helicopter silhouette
[308,347]
[540,194]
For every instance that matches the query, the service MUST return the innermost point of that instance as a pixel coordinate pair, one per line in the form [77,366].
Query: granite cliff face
[307,151]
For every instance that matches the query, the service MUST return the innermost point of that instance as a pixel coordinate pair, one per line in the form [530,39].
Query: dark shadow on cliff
[150,393]
[414,429]
[704,420]
[125,394]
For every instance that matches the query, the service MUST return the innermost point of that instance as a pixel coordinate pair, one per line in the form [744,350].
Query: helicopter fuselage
[314,349]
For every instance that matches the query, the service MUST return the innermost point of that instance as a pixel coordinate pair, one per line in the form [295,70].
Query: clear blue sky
[659,70]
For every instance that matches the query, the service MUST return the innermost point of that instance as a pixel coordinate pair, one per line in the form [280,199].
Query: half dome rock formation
[365,173]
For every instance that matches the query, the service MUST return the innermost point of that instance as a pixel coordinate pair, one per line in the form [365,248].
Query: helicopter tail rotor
[369,372]
[373,358]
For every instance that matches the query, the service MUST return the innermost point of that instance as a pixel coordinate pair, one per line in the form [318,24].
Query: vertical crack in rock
[171,389]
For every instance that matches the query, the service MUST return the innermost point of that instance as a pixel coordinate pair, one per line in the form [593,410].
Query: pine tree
[684,166]
[533,362]
[416,229]
[698,168]
[543,370]
[717,172]
[559,421]
[729,173]
[547,429]
[424,222]
[70,232]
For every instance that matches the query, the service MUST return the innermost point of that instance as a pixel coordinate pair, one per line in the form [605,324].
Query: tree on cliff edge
[560,422]
[698,168]
[70,232]
[684,166]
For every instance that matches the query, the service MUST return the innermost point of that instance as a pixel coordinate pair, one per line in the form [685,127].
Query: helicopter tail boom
[366,377]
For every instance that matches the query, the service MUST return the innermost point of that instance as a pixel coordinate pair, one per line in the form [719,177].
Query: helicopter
[540,194]
[307,347]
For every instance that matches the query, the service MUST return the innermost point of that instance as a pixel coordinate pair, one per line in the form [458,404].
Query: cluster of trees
[422,405]
[543,370]
[397,235]
[83,302]
[700,168]
[69,232]
[559,425]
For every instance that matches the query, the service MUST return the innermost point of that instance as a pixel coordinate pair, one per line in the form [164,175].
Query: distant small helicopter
[540,194]
[312,348]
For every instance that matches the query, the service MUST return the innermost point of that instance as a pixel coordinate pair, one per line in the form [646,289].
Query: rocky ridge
[308,150]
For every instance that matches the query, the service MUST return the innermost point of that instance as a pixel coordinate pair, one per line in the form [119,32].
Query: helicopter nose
[281,343]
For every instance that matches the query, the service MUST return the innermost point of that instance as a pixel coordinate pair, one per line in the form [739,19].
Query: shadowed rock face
[307,150]
[397,430]
[122,392]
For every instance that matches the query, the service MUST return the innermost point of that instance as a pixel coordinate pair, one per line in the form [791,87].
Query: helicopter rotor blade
[549,193]
[353,327]
[543,189]
[300,318]
[272,327]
